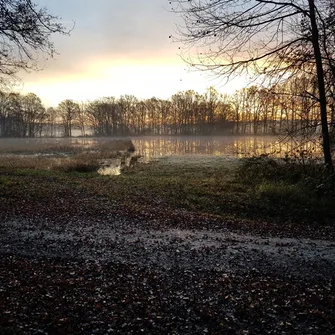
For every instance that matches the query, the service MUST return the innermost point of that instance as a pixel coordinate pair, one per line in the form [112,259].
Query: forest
[288,107]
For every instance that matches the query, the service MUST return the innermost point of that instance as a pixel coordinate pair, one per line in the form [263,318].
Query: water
[151,147]
[231,146]
[148,148]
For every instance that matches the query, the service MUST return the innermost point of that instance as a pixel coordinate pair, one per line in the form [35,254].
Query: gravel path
[118,275]
[127,241]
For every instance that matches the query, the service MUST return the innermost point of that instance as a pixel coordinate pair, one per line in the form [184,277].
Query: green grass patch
[289,191]
[255,189]
[191,186]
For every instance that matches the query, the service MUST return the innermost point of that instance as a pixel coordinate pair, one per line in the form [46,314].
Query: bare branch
[25,31]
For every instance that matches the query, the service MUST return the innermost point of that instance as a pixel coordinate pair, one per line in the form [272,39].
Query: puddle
[115,166]
[110,171]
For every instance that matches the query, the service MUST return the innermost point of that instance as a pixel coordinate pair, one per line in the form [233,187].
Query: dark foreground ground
[73,261]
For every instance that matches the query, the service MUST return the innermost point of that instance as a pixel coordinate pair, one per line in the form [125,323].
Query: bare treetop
[25,30]
[271,38]
[242,35]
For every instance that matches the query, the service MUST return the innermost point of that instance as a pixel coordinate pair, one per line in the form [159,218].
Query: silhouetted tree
[266,37]
[12,124]
[68,111]
[25,30]
[51,122]
[33,115]
[103,116]
[127,109]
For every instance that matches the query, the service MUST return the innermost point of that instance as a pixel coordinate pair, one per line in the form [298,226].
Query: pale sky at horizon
[117,47]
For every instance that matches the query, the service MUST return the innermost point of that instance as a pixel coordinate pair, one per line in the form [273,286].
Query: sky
[116,47]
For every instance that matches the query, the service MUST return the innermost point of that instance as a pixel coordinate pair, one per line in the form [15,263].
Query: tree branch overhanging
[267,37]
[25,31]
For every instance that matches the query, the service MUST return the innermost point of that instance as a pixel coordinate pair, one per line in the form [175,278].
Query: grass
[62,156]
[63,146]
[289,189]
[253,189]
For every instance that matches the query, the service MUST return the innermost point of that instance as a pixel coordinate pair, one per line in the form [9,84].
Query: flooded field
[179,247]
[152,147]
[110,156]
[231,146]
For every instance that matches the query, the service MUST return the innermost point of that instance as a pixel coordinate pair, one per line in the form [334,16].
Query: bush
[285,190]
[77,166]
[282,191]
[313,176]
[256,170]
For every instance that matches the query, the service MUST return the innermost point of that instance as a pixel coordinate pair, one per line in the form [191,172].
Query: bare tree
[103,116]
[33,115]
[11,121]
[51,122]
[82,118]
[267,38]
[68,111]
[25,30]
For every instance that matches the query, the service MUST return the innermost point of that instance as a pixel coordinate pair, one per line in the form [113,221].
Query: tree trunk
[321,87]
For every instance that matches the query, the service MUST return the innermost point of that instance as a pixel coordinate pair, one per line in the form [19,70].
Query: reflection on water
[110,170]
[155,147]
[115,166]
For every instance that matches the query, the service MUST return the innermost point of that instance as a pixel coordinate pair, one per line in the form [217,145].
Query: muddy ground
[94,268]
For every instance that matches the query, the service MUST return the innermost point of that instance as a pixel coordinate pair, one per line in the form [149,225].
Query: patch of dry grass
[80,156]
[63,145]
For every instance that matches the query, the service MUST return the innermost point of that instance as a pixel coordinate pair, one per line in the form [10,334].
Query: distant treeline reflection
[152,147]
[254,110]
[237,146]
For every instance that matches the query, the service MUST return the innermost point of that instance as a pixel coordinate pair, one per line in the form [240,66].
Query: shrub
[284,189]
[257,170]
[77,165]
[281,191]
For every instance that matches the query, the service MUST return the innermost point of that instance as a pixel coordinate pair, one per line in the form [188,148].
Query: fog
[151,147]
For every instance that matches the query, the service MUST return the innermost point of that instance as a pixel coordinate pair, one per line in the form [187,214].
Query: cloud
[117,47]
[114,28]
[107,32]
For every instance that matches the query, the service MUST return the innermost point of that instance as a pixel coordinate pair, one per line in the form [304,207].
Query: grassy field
[241,189]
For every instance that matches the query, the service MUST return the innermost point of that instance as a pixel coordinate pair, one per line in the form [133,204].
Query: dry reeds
[80,156]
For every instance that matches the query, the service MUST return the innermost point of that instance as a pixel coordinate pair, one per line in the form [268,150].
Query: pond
[232,146]
[151,147]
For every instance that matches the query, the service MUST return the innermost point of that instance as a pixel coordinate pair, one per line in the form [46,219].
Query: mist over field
[158,146]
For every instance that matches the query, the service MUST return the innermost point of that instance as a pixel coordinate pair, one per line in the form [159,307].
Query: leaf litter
[77,262]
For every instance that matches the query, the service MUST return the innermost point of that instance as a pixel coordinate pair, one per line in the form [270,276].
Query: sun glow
[142,78]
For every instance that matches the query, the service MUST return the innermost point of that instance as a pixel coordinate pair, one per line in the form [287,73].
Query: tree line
[266,39]
[257,110]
